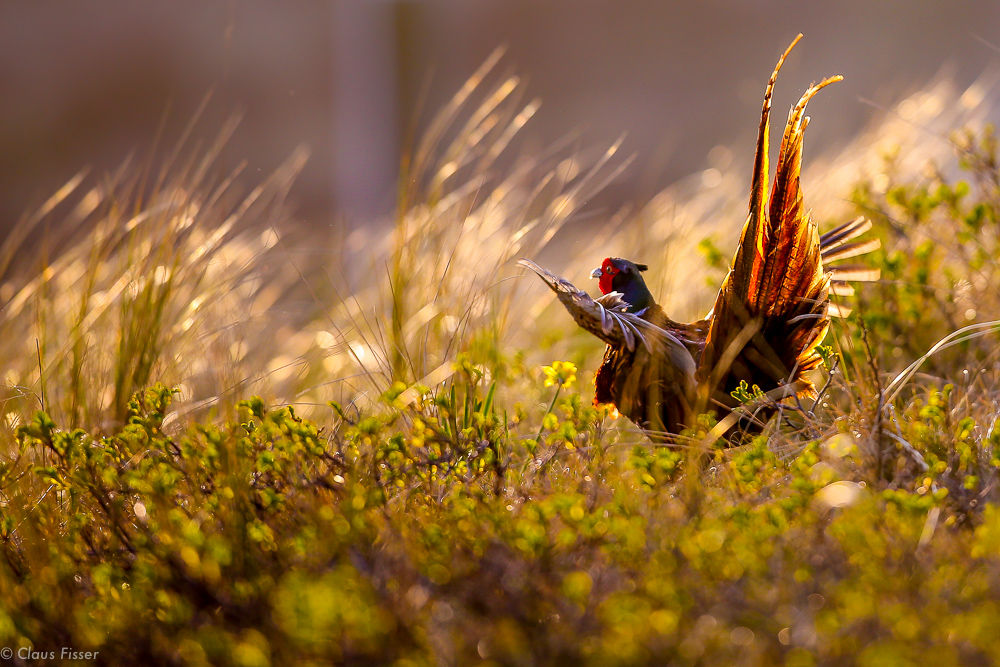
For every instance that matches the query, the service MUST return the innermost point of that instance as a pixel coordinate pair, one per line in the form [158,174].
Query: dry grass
[170,273]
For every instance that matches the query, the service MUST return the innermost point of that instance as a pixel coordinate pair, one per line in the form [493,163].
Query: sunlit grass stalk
[962,335]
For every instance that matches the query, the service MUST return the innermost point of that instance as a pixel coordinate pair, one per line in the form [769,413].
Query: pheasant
[771,313]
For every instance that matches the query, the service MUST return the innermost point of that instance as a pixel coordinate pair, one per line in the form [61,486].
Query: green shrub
[271,541]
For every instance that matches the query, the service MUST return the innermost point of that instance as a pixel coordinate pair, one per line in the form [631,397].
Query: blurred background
[86,84]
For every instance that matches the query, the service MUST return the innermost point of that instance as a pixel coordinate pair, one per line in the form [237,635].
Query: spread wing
[606,318]
[771,311]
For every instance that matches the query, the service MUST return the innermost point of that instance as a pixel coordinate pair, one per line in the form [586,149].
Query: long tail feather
[844,233]
[755,229]
[778,283]
[841,289]
[849,250]
[855,274]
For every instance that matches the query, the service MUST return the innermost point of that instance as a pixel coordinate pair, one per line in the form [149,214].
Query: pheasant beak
[596,273]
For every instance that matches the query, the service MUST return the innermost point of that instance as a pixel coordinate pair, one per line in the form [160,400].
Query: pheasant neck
[636,295]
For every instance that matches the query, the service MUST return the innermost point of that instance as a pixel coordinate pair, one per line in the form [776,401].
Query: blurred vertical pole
[365,123]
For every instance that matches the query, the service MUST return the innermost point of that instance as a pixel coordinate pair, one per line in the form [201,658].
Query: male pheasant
[771,313]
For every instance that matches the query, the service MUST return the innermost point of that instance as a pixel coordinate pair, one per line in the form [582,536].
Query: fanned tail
[771,312]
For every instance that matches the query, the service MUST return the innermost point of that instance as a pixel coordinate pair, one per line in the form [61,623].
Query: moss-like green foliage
[406,535]
[940,259]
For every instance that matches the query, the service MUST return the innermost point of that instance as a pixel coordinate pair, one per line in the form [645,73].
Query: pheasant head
[625,277]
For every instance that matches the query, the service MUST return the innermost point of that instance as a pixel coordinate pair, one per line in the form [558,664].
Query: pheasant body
[653,394]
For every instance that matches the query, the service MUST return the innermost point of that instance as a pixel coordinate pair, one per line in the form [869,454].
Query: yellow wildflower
[562,373]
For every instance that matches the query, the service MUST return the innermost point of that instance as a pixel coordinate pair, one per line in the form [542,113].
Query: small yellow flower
[560,372]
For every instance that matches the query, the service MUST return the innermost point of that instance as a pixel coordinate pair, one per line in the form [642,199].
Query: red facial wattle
[608,272]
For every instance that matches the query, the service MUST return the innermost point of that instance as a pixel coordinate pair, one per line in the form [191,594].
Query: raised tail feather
[772,310]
